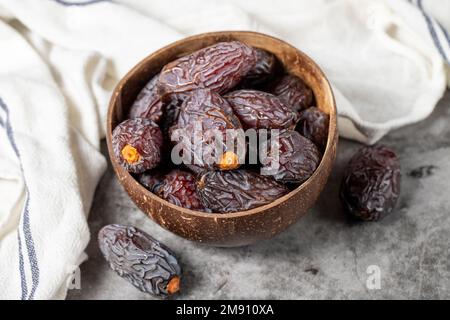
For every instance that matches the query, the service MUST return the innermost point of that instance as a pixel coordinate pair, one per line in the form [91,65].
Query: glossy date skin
[261,110]
[178,187]
[203,111]
[137,144]
[297,157]
[263,70]
[237,190]
[140,259]
[148,103]
[313,124]
[294,92]
[219,67]
[371,184]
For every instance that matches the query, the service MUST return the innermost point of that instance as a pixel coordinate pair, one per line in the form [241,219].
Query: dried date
[371,184]
[263,70]
[137,144]
[204,105]
[145,262]
[261,110]
[203,114]
[219,67]
[237,190]
[148,103]
[178,187]
[313,124]
[294,92]
[291,158]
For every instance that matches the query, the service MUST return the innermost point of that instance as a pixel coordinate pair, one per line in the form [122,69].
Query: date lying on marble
[371,185]
[145,262]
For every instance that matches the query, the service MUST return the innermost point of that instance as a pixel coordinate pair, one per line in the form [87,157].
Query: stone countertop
[324,255]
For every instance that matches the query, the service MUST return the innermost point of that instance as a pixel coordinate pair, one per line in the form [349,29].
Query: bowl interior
[293,60]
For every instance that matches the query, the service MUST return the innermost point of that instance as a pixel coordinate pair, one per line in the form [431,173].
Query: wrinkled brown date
[237,190]
[148,103]
[294,92]
[205,105]
[137,144]
[204,111]
[178,187]
[291,158]
[263,70]
[261,110]
[371,184]
[219,67]
[313,124]
[134,255]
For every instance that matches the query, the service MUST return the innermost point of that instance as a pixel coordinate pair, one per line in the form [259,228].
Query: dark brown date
[237,190]
[201,112]
[291,158]
[219,67]
[263,70]
[148,103]
[134,255]
[205,105]
[261,110]
[371,184]
[137,144]
[178,187]
[294,92]
[313,124]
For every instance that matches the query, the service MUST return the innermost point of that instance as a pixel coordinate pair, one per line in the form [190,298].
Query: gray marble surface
[324,255]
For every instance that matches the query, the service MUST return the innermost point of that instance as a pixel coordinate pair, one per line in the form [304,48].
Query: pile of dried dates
[221,130]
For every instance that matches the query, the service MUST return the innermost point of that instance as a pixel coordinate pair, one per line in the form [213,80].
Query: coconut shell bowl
[238,228]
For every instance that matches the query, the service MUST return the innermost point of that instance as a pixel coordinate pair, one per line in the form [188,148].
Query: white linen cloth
[59,60]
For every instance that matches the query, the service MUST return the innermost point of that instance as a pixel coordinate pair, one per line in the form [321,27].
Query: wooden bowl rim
[332,131]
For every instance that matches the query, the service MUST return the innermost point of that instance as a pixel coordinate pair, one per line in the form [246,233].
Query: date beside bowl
[230,227]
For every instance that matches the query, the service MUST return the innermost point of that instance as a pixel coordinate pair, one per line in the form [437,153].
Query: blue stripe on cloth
[23,280]
[8,128]
[79,3]
[432,31]
[30,246]
[25,221]
[2,123]
[447,36]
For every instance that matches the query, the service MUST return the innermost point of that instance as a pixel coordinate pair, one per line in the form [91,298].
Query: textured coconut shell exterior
[239,228]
